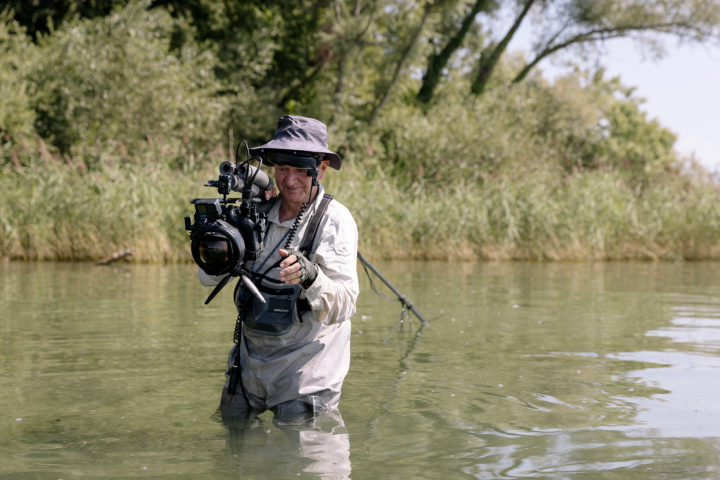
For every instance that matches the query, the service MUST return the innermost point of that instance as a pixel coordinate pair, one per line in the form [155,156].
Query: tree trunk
[488,61]
[438,60]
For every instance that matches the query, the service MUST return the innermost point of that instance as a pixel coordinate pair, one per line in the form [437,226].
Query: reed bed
[591,216]
[57,209]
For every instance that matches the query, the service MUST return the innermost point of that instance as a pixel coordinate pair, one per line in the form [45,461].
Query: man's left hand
[269,194]
[296,268]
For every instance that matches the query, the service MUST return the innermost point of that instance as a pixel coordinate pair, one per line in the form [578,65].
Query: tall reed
[54,208]
[57,209]
[538,216]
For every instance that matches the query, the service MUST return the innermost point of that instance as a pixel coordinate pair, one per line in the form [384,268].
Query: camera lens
[215,251]
[218,249]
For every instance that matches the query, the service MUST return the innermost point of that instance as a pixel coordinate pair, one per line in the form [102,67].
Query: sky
[681,91]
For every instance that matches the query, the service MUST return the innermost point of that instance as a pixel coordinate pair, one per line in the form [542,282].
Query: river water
[542,371]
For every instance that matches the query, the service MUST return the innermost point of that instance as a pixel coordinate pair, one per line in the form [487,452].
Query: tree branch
[599,34]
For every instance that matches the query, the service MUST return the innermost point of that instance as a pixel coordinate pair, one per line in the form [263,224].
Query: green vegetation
[111,119]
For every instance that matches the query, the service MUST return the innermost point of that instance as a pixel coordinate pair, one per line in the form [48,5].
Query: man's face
[294,183]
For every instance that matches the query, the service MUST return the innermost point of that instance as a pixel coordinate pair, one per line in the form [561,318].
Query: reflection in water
[320,447]
[698,327]
[688,406]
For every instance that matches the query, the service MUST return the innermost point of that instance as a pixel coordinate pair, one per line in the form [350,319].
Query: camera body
[224,235]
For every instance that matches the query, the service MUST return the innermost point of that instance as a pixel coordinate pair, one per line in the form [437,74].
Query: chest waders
[283,306]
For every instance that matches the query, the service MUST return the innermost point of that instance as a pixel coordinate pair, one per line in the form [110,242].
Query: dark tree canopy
[296,47]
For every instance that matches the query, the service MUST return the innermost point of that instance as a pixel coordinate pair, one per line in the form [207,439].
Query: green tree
[401,58]
[584,25]
[272,54]
[490,57]
[595,123]
[17,54]
[438,60]
[563,25]
[276,43]
[114,79]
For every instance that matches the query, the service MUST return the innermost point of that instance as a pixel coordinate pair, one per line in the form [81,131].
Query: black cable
[296,224]
[247,162]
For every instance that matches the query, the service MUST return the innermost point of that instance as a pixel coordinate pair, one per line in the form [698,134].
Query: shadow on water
[526,371]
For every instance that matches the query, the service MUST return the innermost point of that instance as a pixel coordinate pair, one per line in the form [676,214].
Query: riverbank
[58,209]
[102,153]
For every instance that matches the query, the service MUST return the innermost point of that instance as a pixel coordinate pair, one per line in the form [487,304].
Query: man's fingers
[291,260]
[290,269]
[295,267]
[288,259]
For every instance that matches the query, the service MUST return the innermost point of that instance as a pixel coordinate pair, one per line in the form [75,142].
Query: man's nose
[295,176]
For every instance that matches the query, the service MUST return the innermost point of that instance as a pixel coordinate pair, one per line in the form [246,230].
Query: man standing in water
[293,350]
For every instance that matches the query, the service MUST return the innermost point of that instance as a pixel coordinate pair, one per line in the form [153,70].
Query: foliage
[114,80]
[71,213]
[269,53]
[114,119]
[582,27]
[597,123]
[16,58]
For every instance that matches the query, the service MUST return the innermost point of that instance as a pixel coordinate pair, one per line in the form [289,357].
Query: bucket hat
[300,134]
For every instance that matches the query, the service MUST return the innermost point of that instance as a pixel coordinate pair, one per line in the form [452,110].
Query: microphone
[261,181]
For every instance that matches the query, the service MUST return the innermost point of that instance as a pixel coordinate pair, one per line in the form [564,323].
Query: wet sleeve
[333,294]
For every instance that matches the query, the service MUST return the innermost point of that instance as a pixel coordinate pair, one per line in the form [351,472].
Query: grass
[56,209]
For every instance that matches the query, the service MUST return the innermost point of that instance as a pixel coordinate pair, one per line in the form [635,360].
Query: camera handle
[253,289]
[246,281]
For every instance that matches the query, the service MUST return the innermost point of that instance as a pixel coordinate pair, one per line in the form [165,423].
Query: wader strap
[312,228]
[302,304]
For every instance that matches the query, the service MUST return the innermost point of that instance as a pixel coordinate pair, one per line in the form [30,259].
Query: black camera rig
[224,235]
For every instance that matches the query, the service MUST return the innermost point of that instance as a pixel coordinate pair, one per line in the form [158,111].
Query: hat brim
[297,146]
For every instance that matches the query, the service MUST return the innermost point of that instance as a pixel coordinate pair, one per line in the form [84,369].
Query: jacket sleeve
[333,294]
[208,280]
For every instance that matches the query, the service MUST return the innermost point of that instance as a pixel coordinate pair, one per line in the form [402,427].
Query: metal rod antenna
[400,296]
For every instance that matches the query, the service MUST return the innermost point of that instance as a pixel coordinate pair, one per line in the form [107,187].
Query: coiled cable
[296,225]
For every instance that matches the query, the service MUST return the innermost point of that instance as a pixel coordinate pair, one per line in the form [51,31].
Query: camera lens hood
[217,248]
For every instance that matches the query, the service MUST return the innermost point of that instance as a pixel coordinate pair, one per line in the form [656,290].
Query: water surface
[546,371]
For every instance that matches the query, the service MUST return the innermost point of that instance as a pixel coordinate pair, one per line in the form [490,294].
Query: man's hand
[269,194]
[296,268]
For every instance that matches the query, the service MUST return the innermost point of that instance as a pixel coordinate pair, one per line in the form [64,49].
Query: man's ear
[321,169]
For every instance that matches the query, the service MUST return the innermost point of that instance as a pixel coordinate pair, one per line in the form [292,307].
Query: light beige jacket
[314,355]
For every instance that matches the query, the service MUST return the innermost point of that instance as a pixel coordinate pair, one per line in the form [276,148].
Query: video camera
[224,236]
